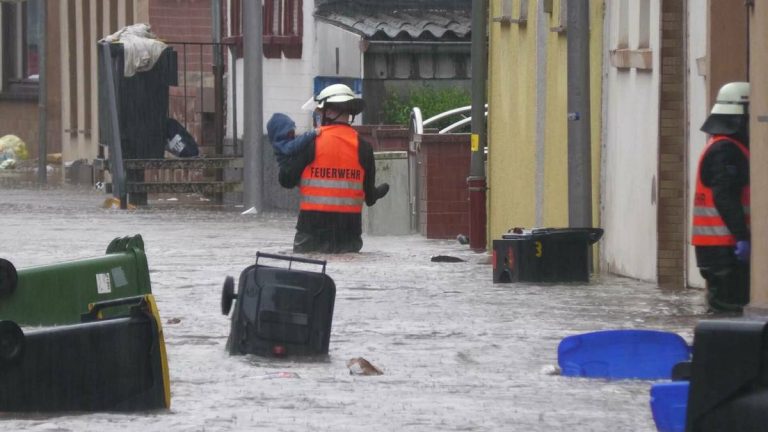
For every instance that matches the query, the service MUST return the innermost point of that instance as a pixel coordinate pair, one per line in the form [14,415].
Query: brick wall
[672,168]
[444,195]
[191,102]
[385,137]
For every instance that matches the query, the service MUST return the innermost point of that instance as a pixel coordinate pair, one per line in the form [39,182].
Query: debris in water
[550,370]
[361,366]
[114,203]
[273,375]
[446,258]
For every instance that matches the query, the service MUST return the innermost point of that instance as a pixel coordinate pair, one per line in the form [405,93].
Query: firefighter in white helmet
[720,230]
[336,174]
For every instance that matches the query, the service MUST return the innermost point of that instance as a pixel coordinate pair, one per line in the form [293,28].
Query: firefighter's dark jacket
[725,169]
[309,221]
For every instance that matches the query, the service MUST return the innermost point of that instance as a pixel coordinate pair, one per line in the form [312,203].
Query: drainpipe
[42,173]
[253,107]
[476,180]
[218,76]
[579,142]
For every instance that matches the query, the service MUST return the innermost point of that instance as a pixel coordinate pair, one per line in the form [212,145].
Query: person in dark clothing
[336,173]
[281,131]
[721,231]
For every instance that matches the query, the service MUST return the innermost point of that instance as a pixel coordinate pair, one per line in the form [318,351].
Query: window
[282,27]
[632,36]
[623,38]
[643,34]
[20,27]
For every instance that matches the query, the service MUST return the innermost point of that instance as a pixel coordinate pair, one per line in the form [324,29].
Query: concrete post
[253,116]
[579,142]
[42,173]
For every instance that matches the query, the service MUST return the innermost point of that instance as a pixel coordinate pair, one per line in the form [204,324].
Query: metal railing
[417,122]
[194,58]
[117,164]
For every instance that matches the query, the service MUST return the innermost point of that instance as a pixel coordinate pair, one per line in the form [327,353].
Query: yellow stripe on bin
[161,343]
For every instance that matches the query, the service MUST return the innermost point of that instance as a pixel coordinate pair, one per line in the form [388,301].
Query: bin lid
[591,235]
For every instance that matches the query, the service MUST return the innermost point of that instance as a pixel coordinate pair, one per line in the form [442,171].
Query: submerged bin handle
[95,308]
[290,259]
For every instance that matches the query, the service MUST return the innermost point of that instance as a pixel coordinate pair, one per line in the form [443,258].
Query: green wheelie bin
[60,293]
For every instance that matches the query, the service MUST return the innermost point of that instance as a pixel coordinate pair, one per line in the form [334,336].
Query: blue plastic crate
[669,400]
[620,354]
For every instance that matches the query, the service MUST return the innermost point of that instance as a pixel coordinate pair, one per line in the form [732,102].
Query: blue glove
[742,250]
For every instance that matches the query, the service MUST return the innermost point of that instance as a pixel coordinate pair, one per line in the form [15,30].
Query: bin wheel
[11,342]
[8,278]
[227,295]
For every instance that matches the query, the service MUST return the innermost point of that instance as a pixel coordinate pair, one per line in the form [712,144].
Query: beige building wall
[21,117]
[759,153]
[726,44]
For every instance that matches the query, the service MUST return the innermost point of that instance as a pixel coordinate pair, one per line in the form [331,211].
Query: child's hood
[279,126]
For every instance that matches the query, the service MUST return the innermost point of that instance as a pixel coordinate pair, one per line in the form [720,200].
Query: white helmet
[732,99]
[334,93]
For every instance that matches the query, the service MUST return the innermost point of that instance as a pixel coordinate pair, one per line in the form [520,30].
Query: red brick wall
[188,21]
[181,20]
[385,137]
[444,202]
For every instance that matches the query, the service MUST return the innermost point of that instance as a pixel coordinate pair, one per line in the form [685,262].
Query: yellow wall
[512,121]
[556,135]
[511,124]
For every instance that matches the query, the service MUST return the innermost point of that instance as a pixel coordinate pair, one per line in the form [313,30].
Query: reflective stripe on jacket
[709,229]
[333,182]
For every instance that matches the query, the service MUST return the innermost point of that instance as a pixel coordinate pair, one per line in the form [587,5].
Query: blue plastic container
[620,354]
[669,400]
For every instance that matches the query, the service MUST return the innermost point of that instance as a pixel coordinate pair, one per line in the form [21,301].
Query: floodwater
[458,352]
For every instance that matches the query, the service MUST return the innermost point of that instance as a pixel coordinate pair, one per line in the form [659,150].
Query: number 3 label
[538,249]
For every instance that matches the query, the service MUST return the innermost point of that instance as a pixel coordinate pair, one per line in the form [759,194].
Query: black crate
[281,311]
[544,255]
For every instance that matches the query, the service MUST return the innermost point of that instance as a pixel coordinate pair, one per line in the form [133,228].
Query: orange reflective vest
[709,229]
[333,182]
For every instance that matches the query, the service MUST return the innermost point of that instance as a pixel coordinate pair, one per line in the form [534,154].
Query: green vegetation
[431,101]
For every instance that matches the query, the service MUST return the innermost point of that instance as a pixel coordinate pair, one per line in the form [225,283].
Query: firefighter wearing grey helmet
[336,175]
[720,228]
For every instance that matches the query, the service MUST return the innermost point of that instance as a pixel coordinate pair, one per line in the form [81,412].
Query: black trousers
[727,278]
